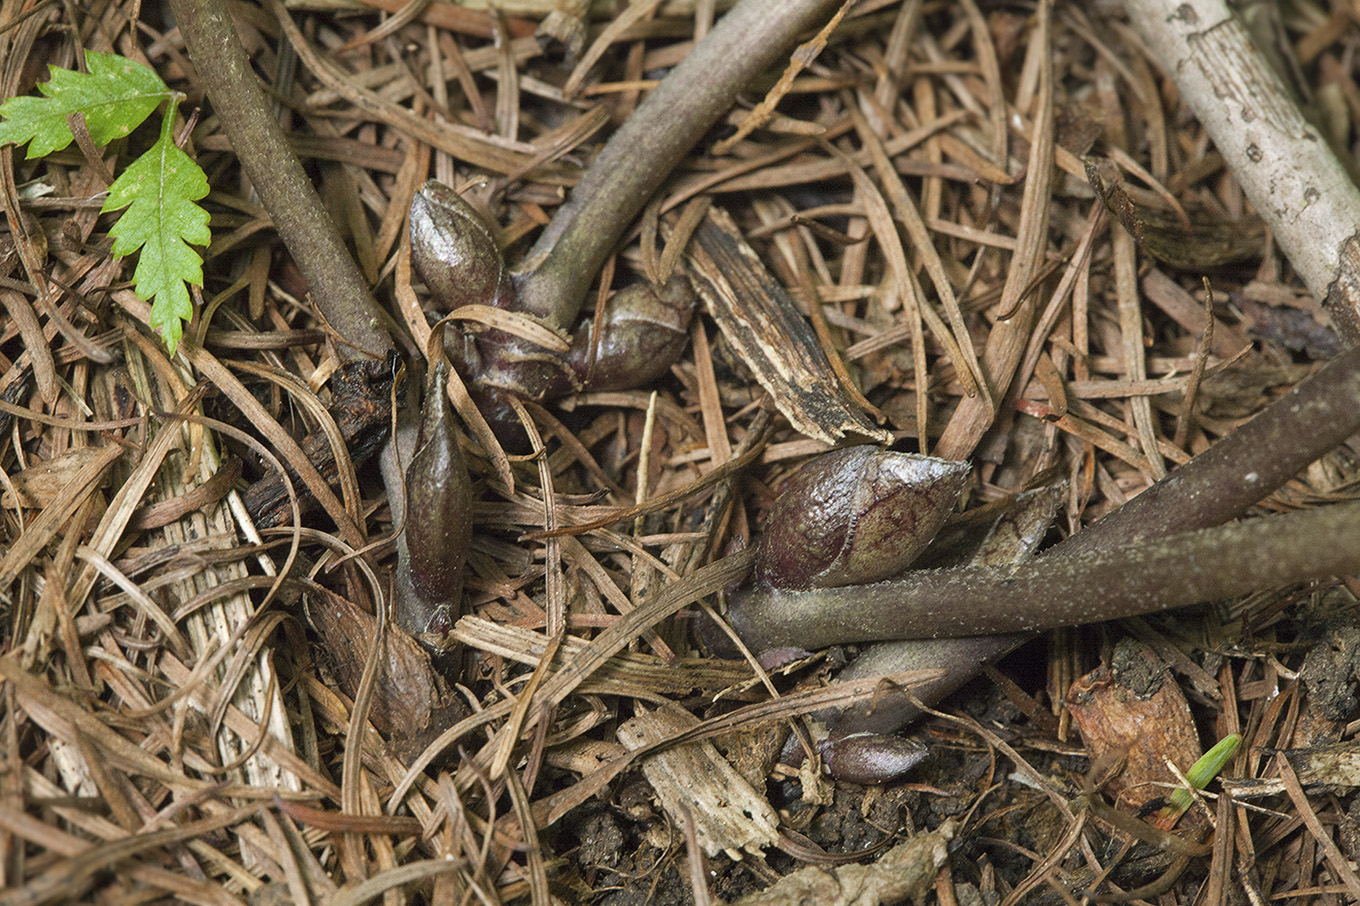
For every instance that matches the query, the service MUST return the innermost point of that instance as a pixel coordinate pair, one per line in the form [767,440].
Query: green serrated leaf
[159,190]
[115,96]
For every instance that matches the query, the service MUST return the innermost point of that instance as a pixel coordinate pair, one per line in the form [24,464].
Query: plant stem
[747,41]
[1178,570]
[339,289]
[1254,460]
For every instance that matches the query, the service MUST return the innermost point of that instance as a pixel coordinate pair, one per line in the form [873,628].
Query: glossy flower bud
[455,252]
[856,516]
[868,758]
[644,331]
[438,521]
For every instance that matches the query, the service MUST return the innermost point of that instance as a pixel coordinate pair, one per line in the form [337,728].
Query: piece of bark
[411,702]
[754,751]
[729,816]
[760,319]
[1204,240]
[1336,767]
[1133,705]
[906,871]
[361,403]
[1293,328]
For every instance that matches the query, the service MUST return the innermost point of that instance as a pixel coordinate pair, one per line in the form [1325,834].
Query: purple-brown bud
[868,758]
[855,516]
[644,331]
[455,253]
[1012,538]
[453,248]
[438,520]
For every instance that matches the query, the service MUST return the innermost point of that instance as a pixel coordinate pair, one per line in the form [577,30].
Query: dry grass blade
[538,875]
[1007,339]
[121,508]
[339,449]
[612,640]
[624,670]
[462,143]
[636,11]
[1330,851]
[40,531]
[68,879]
[723,472]
[26,320]
[907,288]
[139,599]
[410,873]
[513,323]
[908,215]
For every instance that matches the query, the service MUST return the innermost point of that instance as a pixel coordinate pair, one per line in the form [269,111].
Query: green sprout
[159,189]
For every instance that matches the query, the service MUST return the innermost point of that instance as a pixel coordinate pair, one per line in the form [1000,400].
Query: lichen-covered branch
[1282,162]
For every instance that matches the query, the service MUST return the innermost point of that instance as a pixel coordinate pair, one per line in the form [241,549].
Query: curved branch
[339,289]
[746,42]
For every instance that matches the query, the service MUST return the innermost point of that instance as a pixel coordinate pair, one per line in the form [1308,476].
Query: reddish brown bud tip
[454,251]
[868,758]
[645,329]
[856,516]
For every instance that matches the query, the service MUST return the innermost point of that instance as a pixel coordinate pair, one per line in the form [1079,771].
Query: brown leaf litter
[174,724]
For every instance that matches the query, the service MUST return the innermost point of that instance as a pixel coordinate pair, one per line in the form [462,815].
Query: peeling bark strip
[1343,294]
[1284,165]
[761,321]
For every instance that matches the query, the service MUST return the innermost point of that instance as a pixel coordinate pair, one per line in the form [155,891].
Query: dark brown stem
[1242,468]
[1214,487]
[1088,587]
[339,289]
[746,42]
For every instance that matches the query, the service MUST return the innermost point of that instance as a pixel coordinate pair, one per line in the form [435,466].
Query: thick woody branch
[340,291]
[1282,162]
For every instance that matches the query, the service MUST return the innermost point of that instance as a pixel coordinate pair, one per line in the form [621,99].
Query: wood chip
[906,871]
[729,816]
[760,320]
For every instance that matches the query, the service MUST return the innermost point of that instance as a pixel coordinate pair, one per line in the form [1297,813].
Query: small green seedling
[159,189]
[1204,770]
